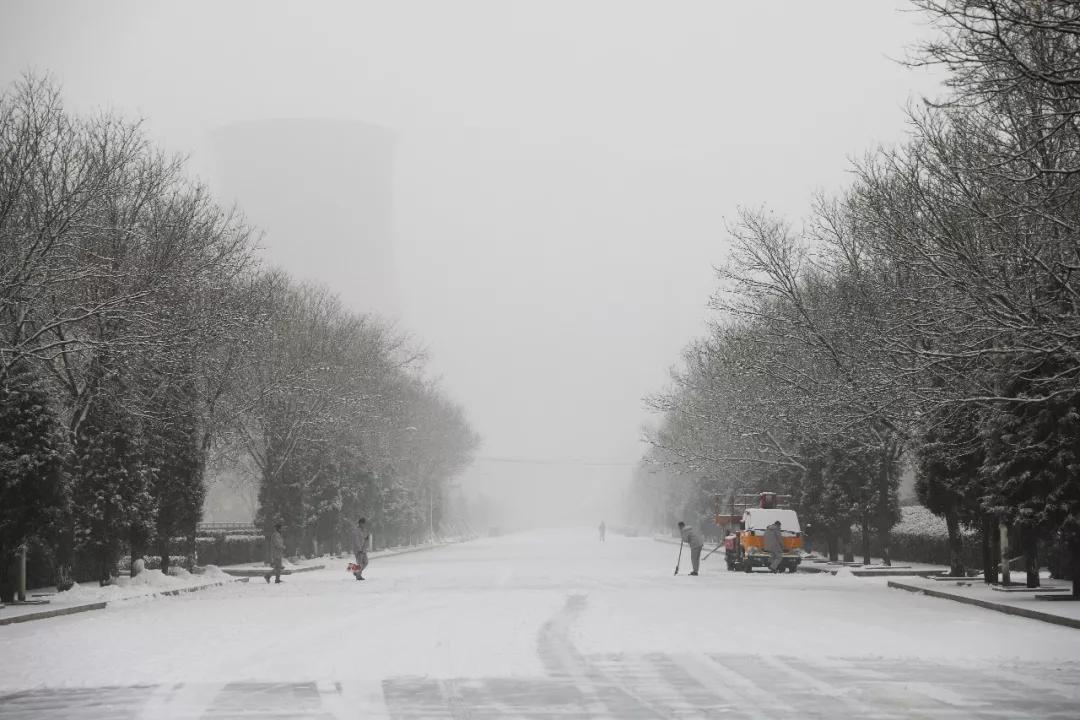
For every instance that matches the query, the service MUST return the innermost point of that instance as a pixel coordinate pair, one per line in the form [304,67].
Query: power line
[556,461]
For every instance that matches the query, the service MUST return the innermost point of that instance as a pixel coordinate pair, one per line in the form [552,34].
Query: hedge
[222,549]
[921,537]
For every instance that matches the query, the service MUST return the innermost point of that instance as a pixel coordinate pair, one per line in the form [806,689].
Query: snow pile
[759,519]
[154,579]
[845,575]
[148,582]
[214,573]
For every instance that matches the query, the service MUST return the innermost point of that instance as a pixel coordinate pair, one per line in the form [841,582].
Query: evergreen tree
[175,452]
[112,498]
[1032,460]
[947,476]
[31,452]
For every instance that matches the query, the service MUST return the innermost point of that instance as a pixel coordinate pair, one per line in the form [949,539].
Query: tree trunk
[866,541]
[886,555]
[65,553]
[106,558]
[833,545]
[1003,552]
[1074,563]
[138,549]
[7,576]
[849,550]
[1029,538]
[881,511]
[1057,557]
[995,548]
[190,550]
[956,542]
[989,544]
[163,551]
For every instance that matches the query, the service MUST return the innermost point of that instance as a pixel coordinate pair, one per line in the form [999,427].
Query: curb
[989,605]
[101,605]
[812,568]
[391,552]
[56,612]
[896,573]
[375,555]
[194,588]
[259,572]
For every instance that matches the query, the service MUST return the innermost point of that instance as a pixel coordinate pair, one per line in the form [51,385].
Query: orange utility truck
[744,541]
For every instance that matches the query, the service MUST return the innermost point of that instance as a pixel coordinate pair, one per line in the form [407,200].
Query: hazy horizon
[557,181]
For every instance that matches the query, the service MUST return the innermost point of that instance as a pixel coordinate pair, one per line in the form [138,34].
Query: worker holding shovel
[694,540]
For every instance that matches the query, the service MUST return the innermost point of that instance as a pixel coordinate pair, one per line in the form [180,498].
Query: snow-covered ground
[1022,599]
[540,624]
[147,584]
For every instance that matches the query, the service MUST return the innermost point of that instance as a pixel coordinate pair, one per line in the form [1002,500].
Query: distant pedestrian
[361,543]
[277,554]
[692,538]
[603,530]
[774,545]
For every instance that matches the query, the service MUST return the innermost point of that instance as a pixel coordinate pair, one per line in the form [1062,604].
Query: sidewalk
[817,564]
[48,602]
[1012,601]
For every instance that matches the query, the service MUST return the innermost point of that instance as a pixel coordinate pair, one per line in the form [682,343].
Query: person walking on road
[361,543]
[603,530]
[774,545]
[277,554]
[695,541]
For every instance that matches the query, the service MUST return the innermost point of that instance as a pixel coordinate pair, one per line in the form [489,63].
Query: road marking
[944,695]
[751,694]
[181,700]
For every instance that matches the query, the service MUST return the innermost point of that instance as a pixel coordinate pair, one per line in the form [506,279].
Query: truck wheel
[747,566]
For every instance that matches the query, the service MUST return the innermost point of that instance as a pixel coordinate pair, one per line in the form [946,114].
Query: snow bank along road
[540,625]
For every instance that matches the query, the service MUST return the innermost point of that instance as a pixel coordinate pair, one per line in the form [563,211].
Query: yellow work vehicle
[744,540]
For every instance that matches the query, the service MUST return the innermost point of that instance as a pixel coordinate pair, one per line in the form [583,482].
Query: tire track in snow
[604,696]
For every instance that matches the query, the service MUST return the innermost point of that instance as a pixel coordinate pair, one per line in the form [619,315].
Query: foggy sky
[562,170]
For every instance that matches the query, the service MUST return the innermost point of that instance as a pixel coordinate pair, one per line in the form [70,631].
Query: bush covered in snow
[922,537]
[917,520]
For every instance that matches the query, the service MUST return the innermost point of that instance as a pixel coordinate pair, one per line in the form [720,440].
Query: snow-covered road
[544,624]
